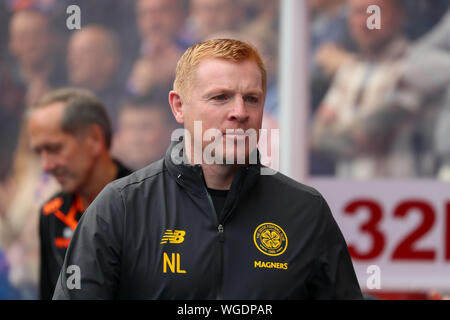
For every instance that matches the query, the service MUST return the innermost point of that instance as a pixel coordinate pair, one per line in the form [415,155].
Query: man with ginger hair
[187,228]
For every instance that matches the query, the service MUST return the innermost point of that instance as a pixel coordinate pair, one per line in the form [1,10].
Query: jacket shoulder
[292,186]
[144,175]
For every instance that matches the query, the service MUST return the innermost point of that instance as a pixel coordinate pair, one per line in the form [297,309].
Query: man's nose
[239,112]
[48,163]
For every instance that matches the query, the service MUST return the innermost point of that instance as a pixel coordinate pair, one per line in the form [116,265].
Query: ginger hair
[227,49]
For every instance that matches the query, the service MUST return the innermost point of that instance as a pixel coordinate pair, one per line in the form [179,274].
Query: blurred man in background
[32,67]
[162,29]
[32,45]
[12,105]
[145,127]
[159,19]
[357,123]
[92,62]
[70,131]
[211,16]
[428,72]
[329,32]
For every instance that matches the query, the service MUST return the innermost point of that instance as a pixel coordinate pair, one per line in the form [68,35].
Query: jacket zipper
[219,295]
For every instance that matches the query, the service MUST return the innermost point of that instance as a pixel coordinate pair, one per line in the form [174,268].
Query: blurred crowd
[380,99]
[380,96]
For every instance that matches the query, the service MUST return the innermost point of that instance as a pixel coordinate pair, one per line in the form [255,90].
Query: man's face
[143,134]
[67,157]
[225,95]
[30,39]
[391,20]
[89,58]
[158,17]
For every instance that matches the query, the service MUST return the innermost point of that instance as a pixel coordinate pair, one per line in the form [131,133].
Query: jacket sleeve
[91,268]
[333,276]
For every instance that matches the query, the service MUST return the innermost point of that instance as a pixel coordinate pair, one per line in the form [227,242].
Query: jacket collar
[190,177]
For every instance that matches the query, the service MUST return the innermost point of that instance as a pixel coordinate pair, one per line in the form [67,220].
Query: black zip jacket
[58,219]
[155,235]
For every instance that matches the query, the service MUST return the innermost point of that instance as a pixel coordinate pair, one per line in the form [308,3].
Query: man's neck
[104,172]
[219,177]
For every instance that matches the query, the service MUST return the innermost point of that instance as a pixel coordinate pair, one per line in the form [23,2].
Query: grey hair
[82,109]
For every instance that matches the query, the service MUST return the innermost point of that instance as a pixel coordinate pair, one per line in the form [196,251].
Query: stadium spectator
[12,103]
[208,17]
[164,36]
[145,127]
[69,129]
[158,19]
[428,72]
[153,73]
[261,14]
[260,27]
[4,21]
[33,68]
[7,292]
[358,123]
[329,33]
[21,198]
[31,44]
[118,16]
[92,62]
[422,16]
[328,22]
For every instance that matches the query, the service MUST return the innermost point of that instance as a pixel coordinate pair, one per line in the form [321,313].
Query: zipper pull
[220,229]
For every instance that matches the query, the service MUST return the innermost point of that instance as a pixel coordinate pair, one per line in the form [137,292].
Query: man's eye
[221,97]
[53,149]
[251,99]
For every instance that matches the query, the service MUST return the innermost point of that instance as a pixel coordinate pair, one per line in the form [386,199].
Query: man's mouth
[238,134]
[234,134]
[60,176]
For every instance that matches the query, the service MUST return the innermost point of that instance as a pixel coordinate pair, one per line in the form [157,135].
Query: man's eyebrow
[254,92]
[220,90]
[39,148]
[36,149]
[216,91]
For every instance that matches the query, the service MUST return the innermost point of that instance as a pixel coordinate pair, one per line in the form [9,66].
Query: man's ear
[96,139]
[176,105]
